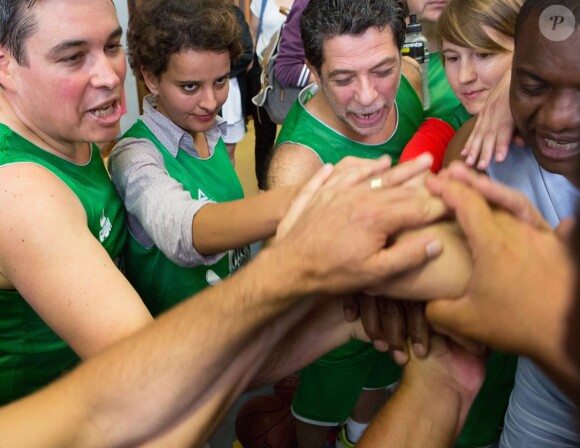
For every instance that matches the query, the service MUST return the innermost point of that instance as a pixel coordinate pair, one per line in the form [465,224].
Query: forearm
[419,414]
[321,330]
[444,276]
[457,143]
[219,227]
[200,423]
[223,351]
[173,368]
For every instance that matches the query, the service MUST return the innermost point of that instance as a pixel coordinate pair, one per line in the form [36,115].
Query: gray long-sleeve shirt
[159,210]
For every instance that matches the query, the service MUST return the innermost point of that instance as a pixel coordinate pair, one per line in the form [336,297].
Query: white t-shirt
[271,22]
[232,108]
[232,114]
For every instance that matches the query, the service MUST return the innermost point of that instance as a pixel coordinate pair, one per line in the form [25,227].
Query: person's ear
[151,81]
[314,72]
[7,62]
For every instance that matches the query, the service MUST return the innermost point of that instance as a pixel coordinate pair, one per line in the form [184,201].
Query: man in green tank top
[63,225]
[363,104]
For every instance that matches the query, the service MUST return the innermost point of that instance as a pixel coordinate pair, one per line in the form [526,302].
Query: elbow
[285,75]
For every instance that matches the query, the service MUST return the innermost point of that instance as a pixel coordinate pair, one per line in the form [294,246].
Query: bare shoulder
[36,191]
[48,254]
[33,200]
[458,142]
[292,164]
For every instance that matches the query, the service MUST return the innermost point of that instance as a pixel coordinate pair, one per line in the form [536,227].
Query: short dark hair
[535,7]
[325,19]
[161,28]
[17,24]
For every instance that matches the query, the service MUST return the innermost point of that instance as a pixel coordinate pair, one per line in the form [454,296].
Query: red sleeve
[433,136]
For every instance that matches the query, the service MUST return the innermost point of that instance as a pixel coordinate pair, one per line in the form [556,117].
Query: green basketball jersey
[159,281]
[31,354]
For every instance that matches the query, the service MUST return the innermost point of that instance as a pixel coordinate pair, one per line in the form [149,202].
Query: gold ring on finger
[376,183]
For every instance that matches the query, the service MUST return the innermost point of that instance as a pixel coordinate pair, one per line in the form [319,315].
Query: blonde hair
[464,23]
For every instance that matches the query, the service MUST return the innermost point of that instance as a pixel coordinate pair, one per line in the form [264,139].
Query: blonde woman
[476,38]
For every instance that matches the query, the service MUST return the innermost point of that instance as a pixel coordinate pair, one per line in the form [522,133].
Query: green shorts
[485,419]
[329,387]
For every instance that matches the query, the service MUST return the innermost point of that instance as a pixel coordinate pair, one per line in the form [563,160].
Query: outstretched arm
[191,363]
[194,361]
[186,229]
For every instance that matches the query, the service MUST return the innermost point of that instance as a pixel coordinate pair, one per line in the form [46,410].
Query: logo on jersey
[106,227]
[202,197]
[239,257]
[212,278]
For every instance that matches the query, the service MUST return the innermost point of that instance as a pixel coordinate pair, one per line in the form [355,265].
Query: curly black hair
[161,28]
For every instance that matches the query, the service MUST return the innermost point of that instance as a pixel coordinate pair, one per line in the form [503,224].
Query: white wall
[130,84]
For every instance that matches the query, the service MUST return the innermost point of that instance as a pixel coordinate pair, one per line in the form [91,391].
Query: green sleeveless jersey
[301,127]
[31,354]
[159,281]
